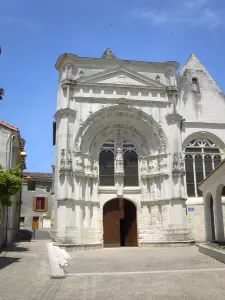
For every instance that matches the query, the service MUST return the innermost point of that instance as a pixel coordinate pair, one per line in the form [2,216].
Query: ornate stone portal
[113,149]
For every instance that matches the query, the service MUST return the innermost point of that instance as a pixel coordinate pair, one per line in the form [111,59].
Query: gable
[194,64]
[122,77]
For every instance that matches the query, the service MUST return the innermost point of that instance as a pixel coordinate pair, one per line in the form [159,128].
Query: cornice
[174,117]
[65,111]
[120,100]
[121,86]
[112,62]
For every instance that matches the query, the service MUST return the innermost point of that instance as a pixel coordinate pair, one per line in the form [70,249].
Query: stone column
[65,118]
[218,213]
[177,215]
[207,219]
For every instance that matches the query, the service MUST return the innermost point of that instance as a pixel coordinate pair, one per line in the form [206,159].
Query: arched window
[202,156]
[106,164]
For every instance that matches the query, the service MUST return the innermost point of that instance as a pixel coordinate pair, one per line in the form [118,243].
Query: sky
[34,33]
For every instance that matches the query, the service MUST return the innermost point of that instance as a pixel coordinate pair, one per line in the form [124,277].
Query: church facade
[133,141]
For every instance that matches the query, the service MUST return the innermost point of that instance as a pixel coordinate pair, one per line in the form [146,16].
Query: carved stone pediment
[121,77]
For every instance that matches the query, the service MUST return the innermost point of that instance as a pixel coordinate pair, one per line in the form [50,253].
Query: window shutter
[46,203]
[34,203]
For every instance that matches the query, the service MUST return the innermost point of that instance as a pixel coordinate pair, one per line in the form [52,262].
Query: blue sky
[34,33]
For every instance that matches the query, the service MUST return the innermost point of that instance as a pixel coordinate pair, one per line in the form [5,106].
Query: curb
[217,254]
[56,270]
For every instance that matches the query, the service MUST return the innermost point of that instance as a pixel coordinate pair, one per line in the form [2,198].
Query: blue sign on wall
[191,209]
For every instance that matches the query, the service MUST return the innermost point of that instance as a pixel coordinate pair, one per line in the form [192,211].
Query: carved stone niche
[163,164]
[68,75]
[65,162]
[79,166]
[178,165]
[95,170]
[119,167]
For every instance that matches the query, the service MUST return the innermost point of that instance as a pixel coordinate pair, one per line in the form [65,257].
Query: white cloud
[195,3]
[18,21]
[192,13]
[155,17]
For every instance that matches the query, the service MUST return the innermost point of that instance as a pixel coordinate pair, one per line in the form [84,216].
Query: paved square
[158,273]
[139,260]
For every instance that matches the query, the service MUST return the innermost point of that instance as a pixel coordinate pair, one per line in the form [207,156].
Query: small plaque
[191,209]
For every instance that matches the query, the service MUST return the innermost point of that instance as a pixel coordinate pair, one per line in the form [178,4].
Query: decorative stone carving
[68,75]
[171,77]
[163,164]
[156,218]
[154,166]
[178,165]
[119,168]
[108,54]
[66,162]
[79,166]
[143,168]
[171,90]
[69,160]
[63,160]
[122,110]
[95,169]
[67,82]
[88,170]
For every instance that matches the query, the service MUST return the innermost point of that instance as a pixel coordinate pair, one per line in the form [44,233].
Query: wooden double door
[119,223]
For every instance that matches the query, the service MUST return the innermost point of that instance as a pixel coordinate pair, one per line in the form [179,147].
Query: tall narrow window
[106,164]
[190,175]
[208,164]
[217,160]
[199,172]
[130,168]
[202,156]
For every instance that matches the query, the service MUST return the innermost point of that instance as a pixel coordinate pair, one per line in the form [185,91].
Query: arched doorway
[119,223]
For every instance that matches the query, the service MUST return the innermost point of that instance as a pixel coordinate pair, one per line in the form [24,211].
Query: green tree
[10,184]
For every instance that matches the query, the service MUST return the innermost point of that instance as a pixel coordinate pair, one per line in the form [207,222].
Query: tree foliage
[10,184]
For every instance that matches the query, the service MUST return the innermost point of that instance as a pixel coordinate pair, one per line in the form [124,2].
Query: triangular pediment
[123,77]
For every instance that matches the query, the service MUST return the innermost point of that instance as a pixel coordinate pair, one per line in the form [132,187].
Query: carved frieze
[153,166]
[178,165]
[66,162]
[79,166]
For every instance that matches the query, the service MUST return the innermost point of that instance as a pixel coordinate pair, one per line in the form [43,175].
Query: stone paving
[139,260]
[25,274]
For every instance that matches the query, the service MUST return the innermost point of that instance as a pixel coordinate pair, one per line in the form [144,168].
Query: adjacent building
[133,141]
[36,209]
[213,189]
[11,146]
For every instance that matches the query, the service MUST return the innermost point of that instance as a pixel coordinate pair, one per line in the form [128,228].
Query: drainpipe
[8,167]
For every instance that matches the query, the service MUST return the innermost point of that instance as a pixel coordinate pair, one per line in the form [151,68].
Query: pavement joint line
[144,272]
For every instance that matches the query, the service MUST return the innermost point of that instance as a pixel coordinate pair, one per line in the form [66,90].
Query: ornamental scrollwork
[178,165]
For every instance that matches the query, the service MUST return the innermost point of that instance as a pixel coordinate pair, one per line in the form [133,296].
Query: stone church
[133,141]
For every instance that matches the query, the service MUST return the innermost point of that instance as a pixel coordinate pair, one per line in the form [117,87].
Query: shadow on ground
[15,248]
[6,261]
[25,235]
